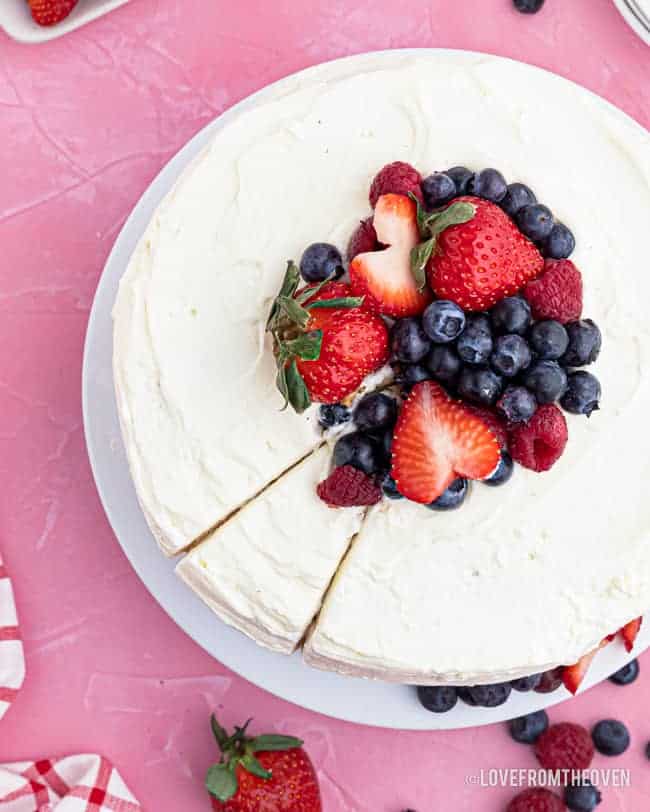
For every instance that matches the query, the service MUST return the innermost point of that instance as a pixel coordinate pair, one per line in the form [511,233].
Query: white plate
[346,698]
[17,21]
[635,19]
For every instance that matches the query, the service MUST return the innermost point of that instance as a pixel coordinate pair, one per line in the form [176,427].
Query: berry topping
[511,355]
[627,674]
[479,385]
[452,498]
[375,411]
[511,315]
[546,380]
[550,681]
[560,243]
[437,698]
[549,340]
[389,488]
[582,395]
[321,261]
[528,6]
[535,799]
[494,422]
[557,294]
[517,404]
[535,221]
[412,374]
[539,444]
[630,631]
[357,450]
[475,343]
[438,440]
[565,746]
[333,414]
[525,684]
[479,262]
[490,696]
[488,184]
[443,321]
[408,341]
[611,737]
[584,345]
[363,240]
[582,797]
[398,178]
[502,475]
[527,729]
[573,675]
[517,196]
[443,363]
[347,486]
[462,177]
[384,277]
[438,189]
[51,12]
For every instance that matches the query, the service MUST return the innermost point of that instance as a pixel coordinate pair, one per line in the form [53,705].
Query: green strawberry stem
[238,749]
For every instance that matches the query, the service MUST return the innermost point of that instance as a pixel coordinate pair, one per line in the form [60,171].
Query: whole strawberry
[51,12]
[269,772]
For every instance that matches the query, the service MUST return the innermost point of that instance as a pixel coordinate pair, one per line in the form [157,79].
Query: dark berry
[332,414]
[443,321]
[511,355]
[560,242]
[479,385]
[549,339]
[517,404]
[517,196]
[437,698]
[525,684]
[528,6]
[357,450]
[408,341]
[375,411]
[627,674]
[475,342]
[443,363]
[585,341]
[490,696]
[389,487]
[489,184]
[610,737]
[647,751]
[527,729]
[511,315]
[452,498]
[412,374]
[321,261]
[535,221]
[546,380]
[583,393]
[550,681]
[582,797]
[465,696]
[438,189]
[385,444]
[502,473]
[461,176]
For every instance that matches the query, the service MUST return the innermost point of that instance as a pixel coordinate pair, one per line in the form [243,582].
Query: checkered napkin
[85,783]
[12,661]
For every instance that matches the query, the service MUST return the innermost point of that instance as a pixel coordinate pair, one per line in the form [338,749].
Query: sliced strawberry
[385,278]
[630,631]
[572,675]
[436,440]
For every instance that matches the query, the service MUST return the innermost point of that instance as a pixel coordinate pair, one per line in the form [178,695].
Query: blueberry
[535,221]
[527,729]
[511,355]
[517,196]
[461,176]
[582,395]
[490,696]
[452,498]
[582,797]
[517,404]
[443,363]
[560,242]
[479,385]
[627,674]
[332,414]
[384,443]
[357,450]
[528,6]
[464,695]
[546,380]
[443,321]
[511,315]
[438,189]
[389,488]
[550,681]
[549,339]
[412,374]
[585,341]
[647,751]
[610,737]
[375,411]
[319,261]
[408,341]
[489,184]
[525,684]
[475,342]
[437,698]
[501,476]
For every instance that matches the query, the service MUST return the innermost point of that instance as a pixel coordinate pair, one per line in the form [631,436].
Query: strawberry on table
[51,12]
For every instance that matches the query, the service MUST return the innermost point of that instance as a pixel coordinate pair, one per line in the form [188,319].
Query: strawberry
[384,278]
[437,440]
[51,12]
[269,772]
[630,631]
[478,262]
[325,343]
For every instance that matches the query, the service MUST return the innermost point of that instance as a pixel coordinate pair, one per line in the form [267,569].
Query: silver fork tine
[638,12]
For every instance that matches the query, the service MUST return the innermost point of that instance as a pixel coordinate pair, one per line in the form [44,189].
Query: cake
[524,578]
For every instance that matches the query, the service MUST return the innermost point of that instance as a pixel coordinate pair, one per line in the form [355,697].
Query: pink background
[85,124]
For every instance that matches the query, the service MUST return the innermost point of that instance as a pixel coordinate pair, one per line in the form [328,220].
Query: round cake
[523,578]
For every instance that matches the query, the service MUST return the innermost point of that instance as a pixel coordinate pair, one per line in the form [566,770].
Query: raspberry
[397,178]
[348,487]
[557,294]
[536,800]
[565,747]
[494,422]
[363,240]
[539,444]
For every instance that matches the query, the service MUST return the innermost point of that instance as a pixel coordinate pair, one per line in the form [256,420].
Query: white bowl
[16,19]
[634,20]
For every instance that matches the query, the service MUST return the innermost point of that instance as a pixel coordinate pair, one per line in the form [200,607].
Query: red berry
[536,799]
[496,424]
[557,294]
[550,681]
[348,487]
[51,12]
[565,747]
[630,631]
[539,444]
[363,240]
[397,178]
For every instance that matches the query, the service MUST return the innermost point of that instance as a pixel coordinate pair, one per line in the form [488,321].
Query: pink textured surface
[85,124]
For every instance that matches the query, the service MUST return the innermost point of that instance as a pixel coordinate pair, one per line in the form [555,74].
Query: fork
[638,12]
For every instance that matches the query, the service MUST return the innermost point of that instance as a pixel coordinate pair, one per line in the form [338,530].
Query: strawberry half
[51,12]
[384,278]
[437,440]
[572,675]
[630,631]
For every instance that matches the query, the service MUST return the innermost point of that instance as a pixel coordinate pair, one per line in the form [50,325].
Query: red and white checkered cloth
[85,783]
[12,660]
